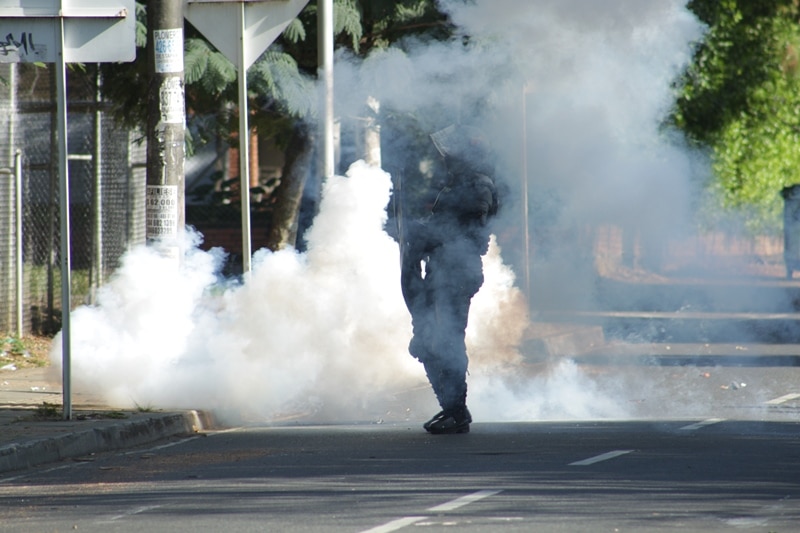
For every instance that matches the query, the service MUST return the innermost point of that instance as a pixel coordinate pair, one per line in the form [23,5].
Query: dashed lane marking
[400,523]
[160,447]
[130,512]
[704,423]
[35,472]
[601,457]
[784,398]
[394,525]
[463,500]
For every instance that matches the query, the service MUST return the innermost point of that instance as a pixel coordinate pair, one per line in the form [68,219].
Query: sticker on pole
[161,211]
[168,50]
[172,105]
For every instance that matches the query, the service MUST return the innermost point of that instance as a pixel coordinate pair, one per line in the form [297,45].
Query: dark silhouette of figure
[791,227]
[442,270]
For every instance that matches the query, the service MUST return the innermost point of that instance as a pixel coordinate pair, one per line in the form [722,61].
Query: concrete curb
[557,340]
[115,435]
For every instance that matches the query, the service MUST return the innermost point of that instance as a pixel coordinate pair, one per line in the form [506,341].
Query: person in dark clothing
[442,270]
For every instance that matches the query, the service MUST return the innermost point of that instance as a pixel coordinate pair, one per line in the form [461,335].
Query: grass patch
[48,411]
[104,415]
[144,408]
[27,352]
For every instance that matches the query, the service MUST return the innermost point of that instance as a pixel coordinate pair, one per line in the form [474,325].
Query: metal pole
[52,207]
[10,242]
[525,199]
[325,72]
[97,278]
[244,145]
[18,190]
[63,172]
[18,211]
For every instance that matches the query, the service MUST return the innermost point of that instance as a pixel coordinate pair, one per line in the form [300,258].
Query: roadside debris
[734,385]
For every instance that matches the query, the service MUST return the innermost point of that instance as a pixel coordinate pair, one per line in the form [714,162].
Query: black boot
[449,421]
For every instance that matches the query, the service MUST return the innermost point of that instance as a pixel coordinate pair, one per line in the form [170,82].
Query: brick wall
[231,238]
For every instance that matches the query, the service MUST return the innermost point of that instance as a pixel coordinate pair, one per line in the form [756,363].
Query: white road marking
[134,452]
[34,472]
[464,500]
[400,523]
[784,398]
[704,423]
[159,447]
[394,525]
[601,457]
[134,511]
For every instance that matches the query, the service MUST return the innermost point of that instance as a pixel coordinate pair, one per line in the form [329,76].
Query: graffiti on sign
[21,46]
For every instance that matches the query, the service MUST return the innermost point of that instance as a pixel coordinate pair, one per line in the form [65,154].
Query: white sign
[94,31]
[168,50]
[263,23]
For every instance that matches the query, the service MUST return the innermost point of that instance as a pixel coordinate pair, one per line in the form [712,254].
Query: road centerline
[400,523]
[394,525]
[784,398]
[602,457]
[463,500]
[704,423]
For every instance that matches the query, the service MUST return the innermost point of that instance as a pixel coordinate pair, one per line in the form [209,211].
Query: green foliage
[347,21]
[13,346]
[388,22]
[207,67]
[125,84]
[47,411]
[141,25]
[295,32]
[278,75]
[741,98]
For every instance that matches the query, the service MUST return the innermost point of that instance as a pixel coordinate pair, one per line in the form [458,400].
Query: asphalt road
[734,467]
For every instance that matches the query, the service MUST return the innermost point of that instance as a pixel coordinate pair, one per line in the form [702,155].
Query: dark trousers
[439,305]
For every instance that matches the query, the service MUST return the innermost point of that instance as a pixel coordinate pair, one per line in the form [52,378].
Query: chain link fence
[107,184]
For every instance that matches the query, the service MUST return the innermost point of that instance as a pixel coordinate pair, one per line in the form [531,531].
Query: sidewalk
[33,431]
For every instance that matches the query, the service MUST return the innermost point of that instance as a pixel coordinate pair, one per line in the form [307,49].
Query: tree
[281,93]
[740,97]
[361,28]
[282,96]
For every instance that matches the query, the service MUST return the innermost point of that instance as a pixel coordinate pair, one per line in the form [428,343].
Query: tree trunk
[283,225]
[372,134]
[255,177]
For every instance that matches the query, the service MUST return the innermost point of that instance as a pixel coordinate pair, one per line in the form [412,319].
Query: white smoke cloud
[599,77]
[300,332]
[326,331]
[319,332]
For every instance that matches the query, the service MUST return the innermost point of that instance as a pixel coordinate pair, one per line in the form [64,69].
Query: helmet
[465,144]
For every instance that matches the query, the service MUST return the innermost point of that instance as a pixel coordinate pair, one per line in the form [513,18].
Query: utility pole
[325,73]
[166,120]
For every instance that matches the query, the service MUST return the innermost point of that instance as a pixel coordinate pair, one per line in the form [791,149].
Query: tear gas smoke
[327,330]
